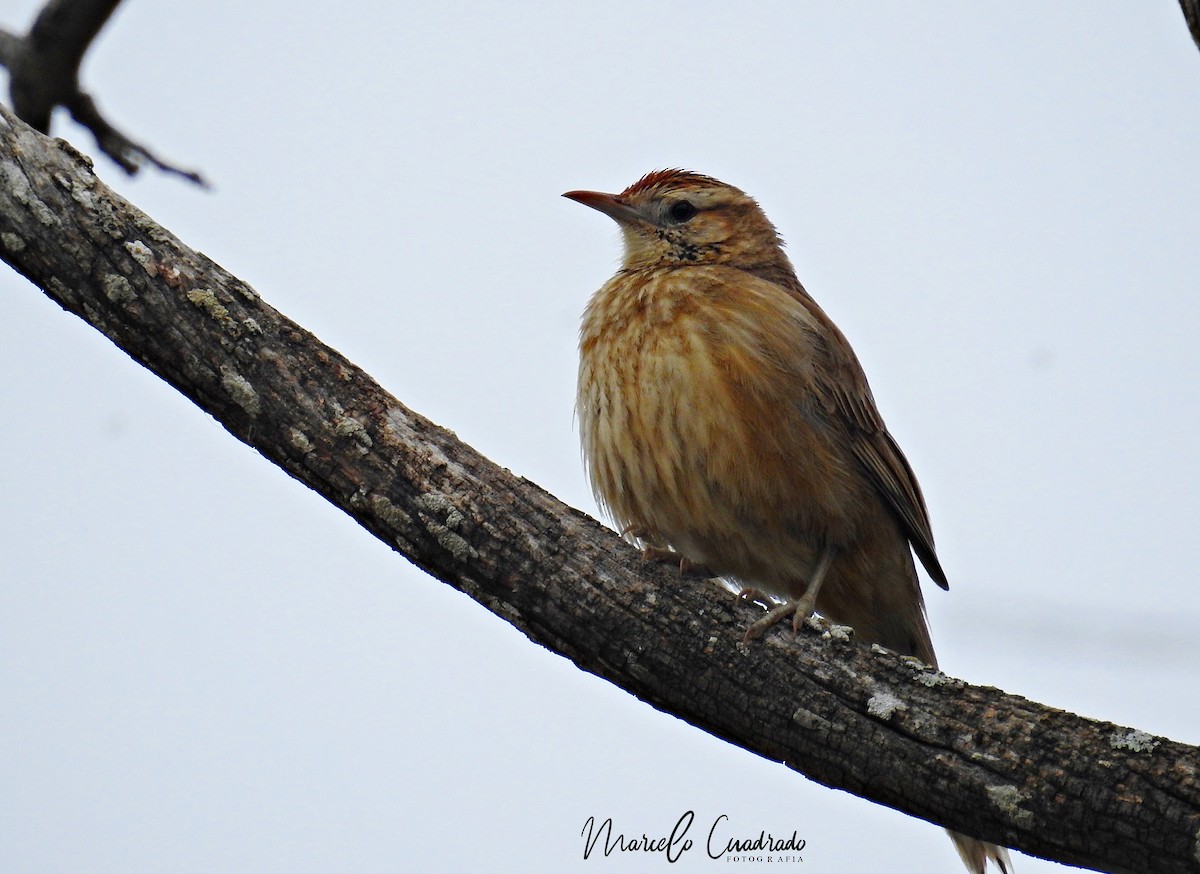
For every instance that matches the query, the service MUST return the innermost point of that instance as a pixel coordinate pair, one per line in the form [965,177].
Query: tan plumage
[725,417]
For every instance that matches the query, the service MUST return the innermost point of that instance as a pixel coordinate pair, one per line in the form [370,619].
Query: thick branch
[974,759]
[43,72]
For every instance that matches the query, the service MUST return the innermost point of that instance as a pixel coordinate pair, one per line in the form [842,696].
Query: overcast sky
[205,667]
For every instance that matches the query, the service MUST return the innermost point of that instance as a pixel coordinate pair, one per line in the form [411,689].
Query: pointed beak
[609,204]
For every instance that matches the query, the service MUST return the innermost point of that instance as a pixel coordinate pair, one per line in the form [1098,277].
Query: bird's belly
[698,457]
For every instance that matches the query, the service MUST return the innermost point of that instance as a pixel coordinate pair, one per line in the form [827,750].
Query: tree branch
[1191,14]
[974,759]
[43,72]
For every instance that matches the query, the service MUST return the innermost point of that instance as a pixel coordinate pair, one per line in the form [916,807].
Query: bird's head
[677,217]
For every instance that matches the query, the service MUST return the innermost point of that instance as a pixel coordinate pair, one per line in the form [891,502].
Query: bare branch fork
[43,69]
[974,759]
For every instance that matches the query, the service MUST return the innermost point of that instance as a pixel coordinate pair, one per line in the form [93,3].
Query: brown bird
[725,420]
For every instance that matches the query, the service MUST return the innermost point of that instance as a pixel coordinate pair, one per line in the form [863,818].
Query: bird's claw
[664,554]
[659,553]
[799,609]
[754,596]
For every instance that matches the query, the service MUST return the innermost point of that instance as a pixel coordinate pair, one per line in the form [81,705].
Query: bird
[726,422]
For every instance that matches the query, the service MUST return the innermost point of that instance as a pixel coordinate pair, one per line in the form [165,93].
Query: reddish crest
[669,180]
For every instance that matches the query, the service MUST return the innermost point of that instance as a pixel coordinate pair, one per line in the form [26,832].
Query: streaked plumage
[725,417]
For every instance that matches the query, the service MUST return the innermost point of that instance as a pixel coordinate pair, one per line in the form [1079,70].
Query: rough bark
[43,69]
[974,759]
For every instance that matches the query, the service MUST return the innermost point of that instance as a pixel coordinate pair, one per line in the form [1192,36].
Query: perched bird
[726,420]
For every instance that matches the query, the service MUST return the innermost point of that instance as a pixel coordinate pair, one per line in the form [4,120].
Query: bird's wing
[845,394]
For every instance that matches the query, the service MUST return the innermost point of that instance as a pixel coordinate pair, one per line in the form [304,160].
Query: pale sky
[205,667]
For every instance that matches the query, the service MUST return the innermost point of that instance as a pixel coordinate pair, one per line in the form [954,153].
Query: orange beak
[609,204]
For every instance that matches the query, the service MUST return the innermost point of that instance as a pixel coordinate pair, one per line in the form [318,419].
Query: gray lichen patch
[1007,800]
[12,243]
[932,678]
[347,426]
[117,288]
[22,192]
[810,721]
[245,290]
[837,632]
[157,233]
[455,544]
[443,520]
[207,301]
[141,253]
[299,440]
[403,529]
[81,194]
[883,704]
[436,502]
[240,391]
[391,515]
[1137,741]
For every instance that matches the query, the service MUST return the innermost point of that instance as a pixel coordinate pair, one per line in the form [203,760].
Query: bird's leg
[807,602]
[798,608]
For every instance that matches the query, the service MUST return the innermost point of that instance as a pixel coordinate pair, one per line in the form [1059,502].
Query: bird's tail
[890,611]
[975,854]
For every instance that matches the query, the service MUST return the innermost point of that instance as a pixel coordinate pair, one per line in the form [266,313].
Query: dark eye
[681,211]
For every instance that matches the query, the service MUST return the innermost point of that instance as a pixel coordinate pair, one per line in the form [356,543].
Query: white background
[204,667]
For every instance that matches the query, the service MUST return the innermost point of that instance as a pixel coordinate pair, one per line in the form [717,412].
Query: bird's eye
[681,211]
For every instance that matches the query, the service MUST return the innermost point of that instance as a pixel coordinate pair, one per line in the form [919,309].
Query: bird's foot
[754,596]
[687,567]
[664,554]
[635,530]
[799,609]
